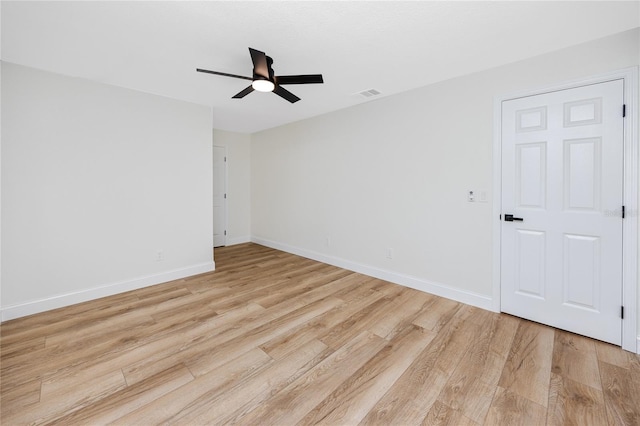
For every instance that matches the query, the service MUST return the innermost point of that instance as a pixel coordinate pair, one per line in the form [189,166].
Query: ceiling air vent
[369,93]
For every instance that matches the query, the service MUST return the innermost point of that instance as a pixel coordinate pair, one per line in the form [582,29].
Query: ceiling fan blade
[260,65]
[224,74]
[284,93]
[299,79]
[243,93]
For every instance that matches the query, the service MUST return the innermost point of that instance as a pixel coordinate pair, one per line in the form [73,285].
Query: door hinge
[225,159]
[622,312]
[225,232]
[225,197]
[623,212]
[624,110]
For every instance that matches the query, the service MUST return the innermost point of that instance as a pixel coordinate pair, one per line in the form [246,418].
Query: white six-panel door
[562,174]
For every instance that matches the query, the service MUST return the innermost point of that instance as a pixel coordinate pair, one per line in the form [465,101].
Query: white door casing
[219,195]
[572,233]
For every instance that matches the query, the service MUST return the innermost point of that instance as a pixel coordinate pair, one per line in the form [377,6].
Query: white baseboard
[62,300]
[238,240]
[443,290]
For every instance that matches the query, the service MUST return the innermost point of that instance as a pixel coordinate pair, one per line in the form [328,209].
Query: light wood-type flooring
[270,338]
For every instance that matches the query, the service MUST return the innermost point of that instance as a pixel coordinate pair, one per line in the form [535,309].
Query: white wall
[95,181]
[394,173]
[238,184]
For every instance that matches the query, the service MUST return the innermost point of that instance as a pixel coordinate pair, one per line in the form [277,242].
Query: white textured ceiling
[392,46]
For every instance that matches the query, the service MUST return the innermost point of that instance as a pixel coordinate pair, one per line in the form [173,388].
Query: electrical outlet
[389,253]
[159,256]
[471,196]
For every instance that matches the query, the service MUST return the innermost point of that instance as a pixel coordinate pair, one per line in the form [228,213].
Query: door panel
[530,263]
[581,281]
[531,174]
[562,156]
[582,174]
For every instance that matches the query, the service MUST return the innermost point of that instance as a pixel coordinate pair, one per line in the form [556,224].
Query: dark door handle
[510,218]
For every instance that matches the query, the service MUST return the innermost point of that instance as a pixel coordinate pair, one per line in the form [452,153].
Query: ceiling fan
[264,80]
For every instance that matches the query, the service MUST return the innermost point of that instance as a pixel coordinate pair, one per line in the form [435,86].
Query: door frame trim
[226,183]
[630,339]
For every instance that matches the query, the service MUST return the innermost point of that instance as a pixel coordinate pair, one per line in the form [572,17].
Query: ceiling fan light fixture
[263,85]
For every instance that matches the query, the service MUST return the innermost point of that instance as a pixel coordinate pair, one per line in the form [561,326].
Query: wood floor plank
[620,395]
[227,407]
[488,353]
[248,291]
[58,402]
[159,306]
[289,341]
[411,397]
[634,369]
[352,326]
[527,371]
[471,387]
[49,361]
[200,391]
[473,383]
[611,354]
[130,398]
[381,317]
[352,286]
[10,350]
[571,402]
[468,395]
[74,354]
[292,403]
[22,395]
[574,357]
[274,338]
[438,314]
[402,310]
[509,408]
[97,330]
[61,319]
[198,310]
[442,415]
[159,355]
[257,336]
[300,286]
[353,399]
[107,356]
